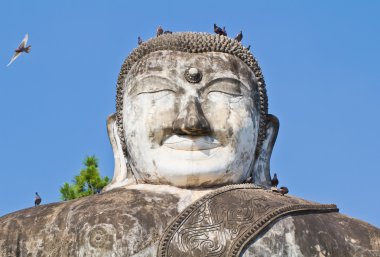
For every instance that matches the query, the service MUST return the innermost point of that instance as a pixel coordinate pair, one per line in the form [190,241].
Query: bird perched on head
[139,41]
[274,181]
[21,49]
[160,31]
[248,47]
[37,200]
[239,36]
[284,190]
[219,30]
[168,32]
[224,31]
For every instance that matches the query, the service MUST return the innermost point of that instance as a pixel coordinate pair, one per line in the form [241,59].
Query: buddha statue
[192,140]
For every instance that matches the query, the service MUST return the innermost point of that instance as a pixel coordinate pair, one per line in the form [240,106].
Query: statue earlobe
[122,175]
[261,173]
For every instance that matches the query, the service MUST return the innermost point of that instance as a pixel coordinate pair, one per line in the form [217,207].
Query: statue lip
[191,143]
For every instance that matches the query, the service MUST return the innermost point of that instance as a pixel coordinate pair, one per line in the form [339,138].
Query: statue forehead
[174,64]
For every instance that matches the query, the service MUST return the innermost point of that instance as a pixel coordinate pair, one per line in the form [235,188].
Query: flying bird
[239,36]
[284,190]
[274,180]
[139,41]
[20,49]
[160,31]
[219,30]
[37,200]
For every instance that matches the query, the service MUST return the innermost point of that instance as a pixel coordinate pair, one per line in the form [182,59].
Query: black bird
[239,36]
[37,200]
[160,31]
[248,47]
[224,31]
[139,41]
[168,32]
[274,180]
[284,190]
[219,30]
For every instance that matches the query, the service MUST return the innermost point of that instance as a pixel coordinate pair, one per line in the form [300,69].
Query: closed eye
[155,91]
[227,86]
[151,85]
[227,92]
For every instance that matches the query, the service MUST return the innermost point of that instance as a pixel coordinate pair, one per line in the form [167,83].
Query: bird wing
[14,57]
[24,41]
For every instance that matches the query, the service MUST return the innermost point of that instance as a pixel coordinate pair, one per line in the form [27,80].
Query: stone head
[191,111]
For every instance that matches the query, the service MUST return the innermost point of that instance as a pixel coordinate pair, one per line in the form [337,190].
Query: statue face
[190,134]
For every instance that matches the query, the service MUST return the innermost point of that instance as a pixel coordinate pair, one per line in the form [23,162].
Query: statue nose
[191,120]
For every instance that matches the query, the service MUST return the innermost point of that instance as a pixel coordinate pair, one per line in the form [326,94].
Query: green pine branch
[88,182]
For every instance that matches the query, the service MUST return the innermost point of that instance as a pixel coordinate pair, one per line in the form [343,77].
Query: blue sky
[320,60]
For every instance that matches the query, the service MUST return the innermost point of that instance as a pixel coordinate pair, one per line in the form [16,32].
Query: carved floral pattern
[223,222]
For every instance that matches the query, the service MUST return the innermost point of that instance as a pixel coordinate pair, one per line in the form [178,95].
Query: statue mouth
[191,143]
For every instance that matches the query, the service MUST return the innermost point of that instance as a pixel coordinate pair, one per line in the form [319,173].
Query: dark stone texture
[120,221]
[329,231]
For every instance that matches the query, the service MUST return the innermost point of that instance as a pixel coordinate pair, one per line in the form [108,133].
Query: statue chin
[183,164]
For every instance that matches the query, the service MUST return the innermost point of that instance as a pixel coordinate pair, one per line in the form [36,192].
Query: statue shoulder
[317,234]
[99,223]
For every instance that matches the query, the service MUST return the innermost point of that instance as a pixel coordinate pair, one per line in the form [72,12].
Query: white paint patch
[150,251]
[278,241]
[319,250]
[186,196]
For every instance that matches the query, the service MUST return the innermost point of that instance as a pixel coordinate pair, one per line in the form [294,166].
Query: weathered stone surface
[317,235]
[130,221]
[118,223]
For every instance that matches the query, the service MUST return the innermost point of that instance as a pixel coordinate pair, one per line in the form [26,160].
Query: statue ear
[261,173]
[122,174]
